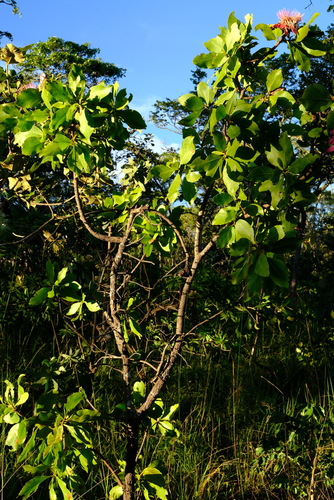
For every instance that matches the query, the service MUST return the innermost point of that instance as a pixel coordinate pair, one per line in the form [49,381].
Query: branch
[99,236]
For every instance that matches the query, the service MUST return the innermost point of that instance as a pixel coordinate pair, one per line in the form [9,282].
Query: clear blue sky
[155,41]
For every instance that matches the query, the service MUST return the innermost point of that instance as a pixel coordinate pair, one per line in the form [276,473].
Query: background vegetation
[247,407]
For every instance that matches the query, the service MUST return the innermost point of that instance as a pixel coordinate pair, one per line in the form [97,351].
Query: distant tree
[56,56]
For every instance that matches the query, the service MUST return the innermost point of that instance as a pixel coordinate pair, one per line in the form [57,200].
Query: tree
[56,56]
[241,180]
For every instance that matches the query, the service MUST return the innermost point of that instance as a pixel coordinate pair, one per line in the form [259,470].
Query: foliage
[56,56]
[130,265]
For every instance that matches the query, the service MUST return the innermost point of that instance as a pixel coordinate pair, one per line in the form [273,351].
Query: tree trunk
[131,458]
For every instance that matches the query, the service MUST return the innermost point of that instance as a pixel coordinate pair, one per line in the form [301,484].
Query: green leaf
[316,98]
[115,492]
[50,272]
[39,297]
[226,237]
[231,185]
[135,328]
[99,91]
[16,435]
[31,486]
[73,400]
[206,92]
[11,418]
[92,306]
[189,191]
[75,308]
[84,127]
[164,172]
[21,137]
[278,272]
[262,266]
[29,98]
[281,156]
[299,165]
[187,150]
[266,30]
[133,119]
[244,230]
[274,80]
[65,491]
[58,91]
[173,191]
[330,120]
[61,275]
[225,215]
[314,47]
[156,481]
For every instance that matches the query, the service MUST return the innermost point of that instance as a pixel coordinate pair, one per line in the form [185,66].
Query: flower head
[27,86]
[288,21]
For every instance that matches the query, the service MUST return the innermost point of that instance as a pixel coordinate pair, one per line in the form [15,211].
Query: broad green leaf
[65,491]
[314,47]
[62,275]
[17,435]
[156,481]
[135,328]
[39,297]
[74,309]
[29,98]
[187,150]
[21,137]
[50,272]
[92,306]
[84,127]
[164,172]
[173,191]
[31,486]
[274,80]
[281,156]
[262,266]
[189,190]
[226,237]
[31,146]
[115,492]
[73,400]
[139,387]
[225,215]
[11,418]
[330,120]
[22,398]
[244,230]
[206,92]
[99,91]
[267,31]
[231,185]
[301,163]
[222,199]
[58,91]
[278,272]
[316,98]
[30,445]
[133,119]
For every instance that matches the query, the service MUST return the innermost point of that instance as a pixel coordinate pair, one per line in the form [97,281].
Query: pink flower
[330,142]
[288,21]
[27,86]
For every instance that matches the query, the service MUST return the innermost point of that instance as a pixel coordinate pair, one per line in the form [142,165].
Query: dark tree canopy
[56,56]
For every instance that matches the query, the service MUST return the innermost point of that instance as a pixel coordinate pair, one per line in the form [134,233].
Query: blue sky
[155,41]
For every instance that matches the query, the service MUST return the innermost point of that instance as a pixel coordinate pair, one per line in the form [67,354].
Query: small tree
[247,187]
